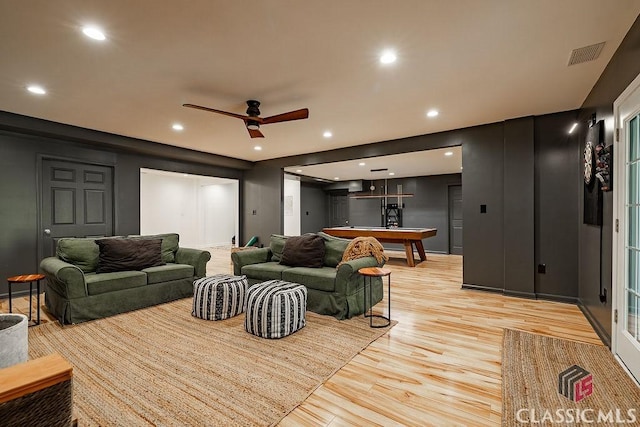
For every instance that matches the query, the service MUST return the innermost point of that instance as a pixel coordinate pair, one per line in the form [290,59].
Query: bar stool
[369,273]
[24,279]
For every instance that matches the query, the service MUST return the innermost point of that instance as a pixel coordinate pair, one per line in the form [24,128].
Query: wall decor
[592,200]
[604,163]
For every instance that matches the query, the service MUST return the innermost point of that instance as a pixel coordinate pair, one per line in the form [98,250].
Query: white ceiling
[475,61]
[431,162]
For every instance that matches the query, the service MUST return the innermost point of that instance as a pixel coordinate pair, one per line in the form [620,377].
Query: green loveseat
[75,292]
[338,292]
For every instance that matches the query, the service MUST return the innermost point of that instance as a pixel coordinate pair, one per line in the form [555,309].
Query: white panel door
[626,239]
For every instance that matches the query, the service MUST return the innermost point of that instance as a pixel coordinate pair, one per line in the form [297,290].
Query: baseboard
[604,336]
[519,294]
[20,293]
[558,298]
[481,288]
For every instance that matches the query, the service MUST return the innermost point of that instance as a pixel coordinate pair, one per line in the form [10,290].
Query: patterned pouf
[275,309]
[219,297]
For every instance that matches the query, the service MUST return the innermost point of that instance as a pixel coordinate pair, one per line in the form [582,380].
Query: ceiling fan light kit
[253,120]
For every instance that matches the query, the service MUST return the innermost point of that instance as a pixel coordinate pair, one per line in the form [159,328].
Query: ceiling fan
[252,120]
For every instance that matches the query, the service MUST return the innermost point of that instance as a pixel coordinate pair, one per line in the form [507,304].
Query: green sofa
[338,292]
[75,292]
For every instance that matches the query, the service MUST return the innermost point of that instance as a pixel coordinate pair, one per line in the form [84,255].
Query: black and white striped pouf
[219,297]
[275,309]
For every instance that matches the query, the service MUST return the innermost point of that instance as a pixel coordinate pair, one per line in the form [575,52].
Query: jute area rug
[161,366]
[531,394]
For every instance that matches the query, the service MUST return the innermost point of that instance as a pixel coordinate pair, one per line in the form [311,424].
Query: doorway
[76,201]
[203,210]
[626,235]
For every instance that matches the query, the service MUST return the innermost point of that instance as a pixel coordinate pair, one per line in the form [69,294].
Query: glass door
[626,281]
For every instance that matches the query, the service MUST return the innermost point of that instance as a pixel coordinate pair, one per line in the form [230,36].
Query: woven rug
[162,366]
[599,392]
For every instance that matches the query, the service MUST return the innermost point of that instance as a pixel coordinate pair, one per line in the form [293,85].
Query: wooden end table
[369,273]
[30,278]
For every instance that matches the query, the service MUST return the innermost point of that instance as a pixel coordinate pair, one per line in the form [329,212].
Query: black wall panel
[313,208]
[263,197]
[519,207]
[483,207]
[556,215]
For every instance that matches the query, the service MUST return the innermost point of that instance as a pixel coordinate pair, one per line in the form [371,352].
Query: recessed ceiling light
[257,148]
[432,113]
[573,127]
[449,153]
[38,90]
[327,134]
[388,57]
[391,173]
[94,33]
[361,164]
[336,178]
[298,170]
[177,126]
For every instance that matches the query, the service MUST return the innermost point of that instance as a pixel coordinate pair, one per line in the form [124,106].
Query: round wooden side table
[30,278]
[369,273]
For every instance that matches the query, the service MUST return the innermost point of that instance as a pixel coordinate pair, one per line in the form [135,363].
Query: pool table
[406,236]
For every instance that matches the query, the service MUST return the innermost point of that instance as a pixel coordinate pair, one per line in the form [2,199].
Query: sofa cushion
[264,271]
[110,282]
[334,248]
[169,272]
[321,279]
[276,244]
[303,251]
[81,252]
[128,254]
[169,245]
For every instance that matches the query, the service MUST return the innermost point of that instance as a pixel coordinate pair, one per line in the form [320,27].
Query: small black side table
[369,273]
[24,279]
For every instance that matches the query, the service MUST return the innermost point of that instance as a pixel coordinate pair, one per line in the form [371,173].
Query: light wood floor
[440,365]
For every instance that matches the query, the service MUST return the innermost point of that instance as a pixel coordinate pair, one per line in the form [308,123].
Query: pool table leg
[408,249]
[420,248]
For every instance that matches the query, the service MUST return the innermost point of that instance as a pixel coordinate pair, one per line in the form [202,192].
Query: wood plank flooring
[440,365]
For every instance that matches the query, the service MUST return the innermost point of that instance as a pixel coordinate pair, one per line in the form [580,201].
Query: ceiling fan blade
[255,133]
[211,110]
[285,117]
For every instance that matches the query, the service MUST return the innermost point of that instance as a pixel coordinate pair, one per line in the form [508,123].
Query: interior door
[76,201]
[455,219]
[339,206]
[626,240]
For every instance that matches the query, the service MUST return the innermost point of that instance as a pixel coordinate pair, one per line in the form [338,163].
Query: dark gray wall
[23,141]
[265,179]
[483,184]
[313,208]
[594,263]
[557,168]
[519,207]
[428,208]
[263,207]
[500,161]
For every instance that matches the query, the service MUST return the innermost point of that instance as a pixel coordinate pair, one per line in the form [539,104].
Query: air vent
[379,170]
[585,54]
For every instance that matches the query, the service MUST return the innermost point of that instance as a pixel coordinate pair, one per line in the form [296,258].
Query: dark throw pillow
[128,254]
[303,251]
